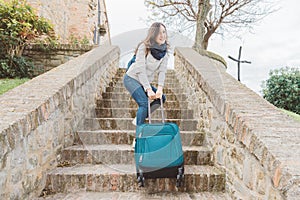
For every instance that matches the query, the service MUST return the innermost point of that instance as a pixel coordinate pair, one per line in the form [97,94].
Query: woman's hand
[151,94]
[159,92]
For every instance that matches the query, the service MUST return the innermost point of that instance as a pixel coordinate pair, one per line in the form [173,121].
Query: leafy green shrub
[77,40]
[282,89]
[19,26]
[18,67]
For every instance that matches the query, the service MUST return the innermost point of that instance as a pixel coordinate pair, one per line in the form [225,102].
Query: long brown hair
[150,39]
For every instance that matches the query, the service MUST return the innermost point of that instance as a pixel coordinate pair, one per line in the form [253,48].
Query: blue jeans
[138,93]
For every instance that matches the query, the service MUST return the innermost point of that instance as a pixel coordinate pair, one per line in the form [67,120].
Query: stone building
[77,19]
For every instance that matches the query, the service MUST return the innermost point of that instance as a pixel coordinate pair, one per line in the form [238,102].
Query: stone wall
[46,58]
[255,143]
[39,118]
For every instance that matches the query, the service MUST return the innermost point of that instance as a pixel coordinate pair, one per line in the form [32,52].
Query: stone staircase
[101,162]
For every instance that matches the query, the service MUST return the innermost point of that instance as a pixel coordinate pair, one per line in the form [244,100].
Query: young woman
[151,58]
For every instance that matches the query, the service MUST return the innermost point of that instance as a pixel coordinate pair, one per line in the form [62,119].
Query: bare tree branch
[215,16]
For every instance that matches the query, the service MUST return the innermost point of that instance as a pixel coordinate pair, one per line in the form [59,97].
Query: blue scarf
[158,51]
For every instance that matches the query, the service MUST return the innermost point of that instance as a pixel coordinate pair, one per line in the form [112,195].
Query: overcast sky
[274,44]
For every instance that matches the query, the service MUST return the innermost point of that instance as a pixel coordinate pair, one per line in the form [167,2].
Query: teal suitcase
[158,152]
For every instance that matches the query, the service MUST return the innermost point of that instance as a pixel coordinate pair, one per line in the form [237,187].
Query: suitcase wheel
[180,177]
[179,180]
[141,179]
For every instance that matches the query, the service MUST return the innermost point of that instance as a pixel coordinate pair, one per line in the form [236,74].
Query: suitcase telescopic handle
[162,111]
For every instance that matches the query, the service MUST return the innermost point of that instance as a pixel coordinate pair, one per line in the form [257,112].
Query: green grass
[292,114]
[8,84]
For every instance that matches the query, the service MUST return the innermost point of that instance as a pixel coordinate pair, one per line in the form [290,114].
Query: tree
[282,89]
[209,16]
[19,26]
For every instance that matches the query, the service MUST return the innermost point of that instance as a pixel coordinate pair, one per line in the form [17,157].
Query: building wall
[76,18]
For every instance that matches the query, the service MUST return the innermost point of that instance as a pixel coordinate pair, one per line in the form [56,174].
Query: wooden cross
[239,61]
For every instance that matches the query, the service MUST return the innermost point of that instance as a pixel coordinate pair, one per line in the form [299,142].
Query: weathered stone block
[32,162]
[261,184]
[220,156]
[3,181]
[249,172]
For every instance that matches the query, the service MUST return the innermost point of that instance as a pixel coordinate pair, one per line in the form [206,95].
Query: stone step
[120,72]
[125,95]
[131,113]
[142,194]
[123,70]
[124,154]
[122,178]
[169,77]
[188,138]
[167,85]
[126,124]
[122,89]
[109,103]
[168,80]
[170,83]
